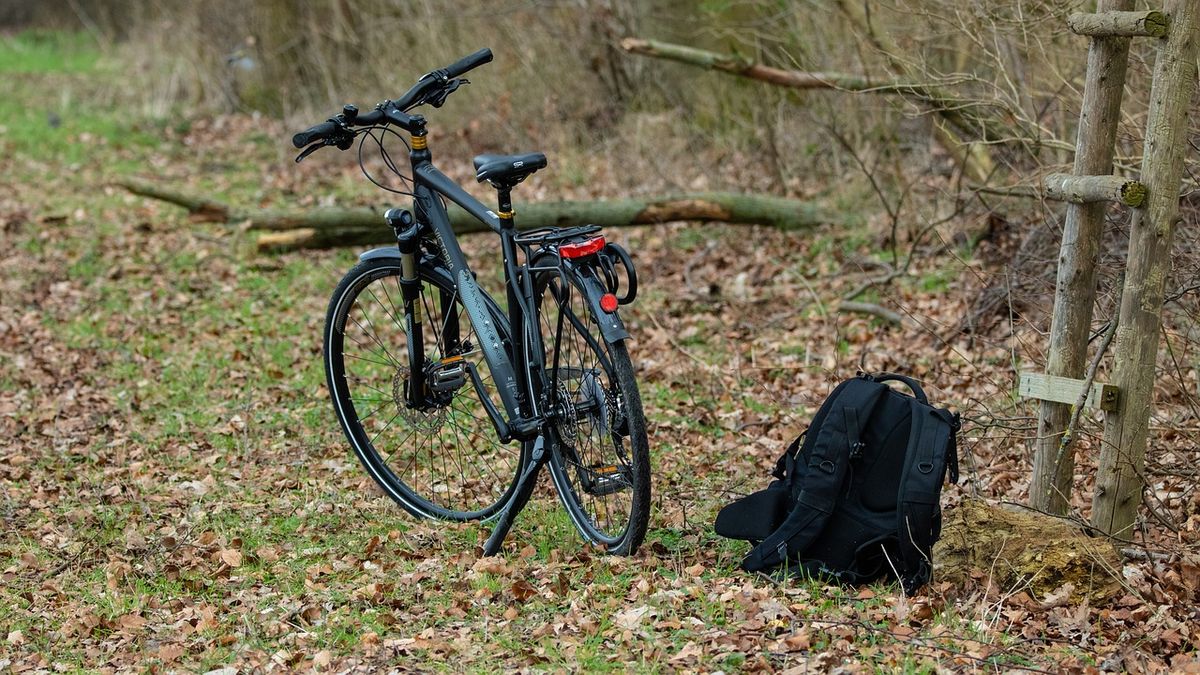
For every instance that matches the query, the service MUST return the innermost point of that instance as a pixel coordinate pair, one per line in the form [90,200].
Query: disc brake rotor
[425,421]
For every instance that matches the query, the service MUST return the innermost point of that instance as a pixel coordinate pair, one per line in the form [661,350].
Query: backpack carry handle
[908,382]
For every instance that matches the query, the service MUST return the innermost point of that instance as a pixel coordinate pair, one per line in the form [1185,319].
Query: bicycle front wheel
[445,460]
[600,459]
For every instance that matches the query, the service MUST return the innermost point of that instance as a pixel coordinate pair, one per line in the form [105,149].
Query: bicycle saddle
[507,170]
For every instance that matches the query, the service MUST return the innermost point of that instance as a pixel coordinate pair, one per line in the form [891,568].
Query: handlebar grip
[469,62]
[315,133]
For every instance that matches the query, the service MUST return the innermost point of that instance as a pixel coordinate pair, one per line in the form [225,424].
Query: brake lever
[310,150]
[438,98]
[342,142]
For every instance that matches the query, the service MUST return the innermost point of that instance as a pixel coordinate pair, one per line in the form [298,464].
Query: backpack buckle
[856,450]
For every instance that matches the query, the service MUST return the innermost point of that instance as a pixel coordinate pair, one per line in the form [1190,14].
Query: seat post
[504,193]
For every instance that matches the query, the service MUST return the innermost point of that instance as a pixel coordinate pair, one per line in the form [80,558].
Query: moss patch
[1024,550]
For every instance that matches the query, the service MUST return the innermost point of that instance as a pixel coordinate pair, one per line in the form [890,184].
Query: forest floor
[176,494]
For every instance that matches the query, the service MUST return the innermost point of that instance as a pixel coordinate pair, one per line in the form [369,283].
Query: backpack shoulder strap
[917,502]
[838,436]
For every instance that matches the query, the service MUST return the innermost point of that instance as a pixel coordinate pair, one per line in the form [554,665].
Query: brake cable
[387,159]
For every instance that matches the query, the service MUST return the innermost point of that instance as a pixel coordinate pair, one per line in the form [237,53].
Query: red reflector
[608,302]
[582,248]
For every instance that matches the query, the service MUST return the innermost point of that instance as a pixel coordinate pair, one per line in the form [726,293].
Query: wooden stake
[1119,479]
[1075,293]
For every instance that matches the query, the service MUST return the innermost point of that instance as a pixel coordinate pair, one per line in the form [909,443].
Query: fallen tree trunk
[327,227]
[961,114]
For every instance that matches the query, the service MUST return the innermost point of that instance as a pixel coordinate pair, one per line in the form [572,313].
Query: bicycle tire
[414,461]
[599,457]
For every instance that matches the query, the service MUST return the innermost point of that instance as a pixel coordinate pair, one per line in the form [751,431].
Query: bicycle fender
[381,252]
[611,326]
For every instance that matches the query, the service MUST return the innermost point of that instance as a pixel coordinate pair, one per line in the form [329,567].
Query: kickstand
[520,497]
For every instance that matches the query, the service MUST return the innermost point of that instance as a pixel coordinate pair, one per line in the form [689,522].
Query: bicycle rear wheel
[442,462]
[600,459]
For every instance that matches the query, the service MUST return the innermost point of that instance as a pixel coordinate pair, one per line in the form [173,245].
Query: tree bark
[1123,454]
[1075,291]
[326,227]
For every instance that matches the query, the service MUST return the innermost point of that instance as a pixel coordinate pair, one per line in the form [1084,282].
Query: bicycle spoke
[446,456]
[378,341]
[395,313]
[360,358]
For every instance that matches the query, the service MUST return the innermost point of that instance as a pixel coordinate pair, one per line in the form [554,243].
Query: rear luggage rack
[550,235]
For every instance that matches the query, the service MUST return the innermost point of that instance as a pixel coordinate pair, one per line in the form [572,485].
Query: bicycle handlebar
[315,133]
[334,130]
[469,62]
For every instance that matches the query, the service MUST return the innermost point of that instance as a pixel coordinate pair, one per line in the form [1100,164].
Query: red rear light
[580,249]
[608,302]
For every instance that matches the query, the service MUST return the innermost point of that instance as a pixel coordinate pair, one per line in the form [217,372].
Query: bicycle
[416,353]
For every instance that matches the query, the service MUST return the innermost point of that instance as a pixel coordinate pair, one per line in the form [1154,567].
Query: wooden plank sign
[1066,390]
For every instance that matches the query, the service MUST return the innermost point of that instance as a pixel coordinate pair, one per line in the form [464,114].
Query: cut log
[327,227]
[1120,24]
[1091,189]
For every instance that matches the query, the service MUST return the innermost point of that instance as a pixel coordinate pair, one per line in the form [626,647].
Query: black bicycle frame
[512,380]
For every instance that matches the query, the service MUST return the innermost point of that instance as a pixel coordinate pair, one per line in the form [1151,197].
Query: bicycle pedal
[606,479]
[448,375]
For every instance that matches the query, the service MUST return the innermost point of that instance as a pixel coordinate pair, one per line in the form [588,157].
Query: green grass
[59,105]
[178,329]
[42,52]
[939,280]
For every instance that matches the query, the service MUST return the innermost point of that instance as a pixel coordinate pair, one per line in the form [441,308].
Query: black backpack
[856,496]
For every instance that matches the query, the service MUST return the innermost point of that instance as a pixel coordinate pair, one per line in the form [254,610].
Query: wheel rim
[445,461]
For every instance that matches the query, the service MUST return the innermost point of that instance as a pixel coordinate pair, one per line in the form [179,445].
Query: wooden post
[1122,457]
[1054,471]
